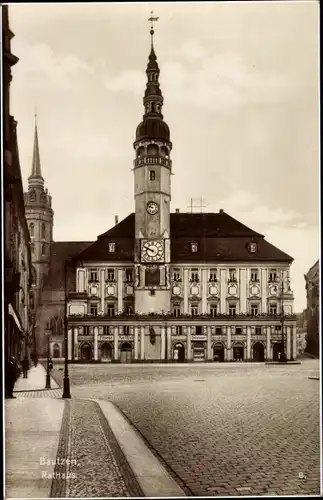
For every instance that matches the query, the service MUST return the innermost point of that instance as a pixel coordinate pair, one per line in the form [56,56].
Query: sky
[241,98]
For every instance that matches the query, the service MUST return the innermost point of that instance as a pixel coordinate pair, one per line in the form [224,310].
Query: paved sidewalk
[36,380]
[77,448]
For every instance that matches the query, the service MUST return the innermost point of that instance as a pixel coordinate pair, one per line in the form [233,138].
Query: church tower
[152,190]
[39,215]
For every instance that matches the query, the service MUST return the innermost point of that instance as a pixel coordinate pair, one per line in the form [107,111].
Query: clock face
[152,207]
[152,251]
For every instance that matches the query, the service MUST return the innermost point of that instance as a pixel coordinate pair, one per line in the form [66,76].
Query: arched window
[43,249]
[32,229]
[32,196]
[43,231]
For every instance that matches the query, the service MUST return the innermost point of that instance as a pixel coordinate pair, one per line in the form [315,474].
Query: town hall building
[160,286]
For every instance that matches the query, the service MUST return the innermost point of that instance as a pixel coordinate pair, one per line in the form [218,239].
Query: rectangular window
[129,275]
[112,247]
[176,274]
[232,310]
[93,275]
[238,330]
[218,330]
[152,175]
[213,275]
[254,309]
[273,275]
[194,275]
[179,330]
[273,308]
[194,310]
[86,330]
[94,309]
[111,310]
[194,247]
[129,310]
[213,310]
[198,330]
[111,275]
[232,274]
[254,274]
[126,330]
[258,330]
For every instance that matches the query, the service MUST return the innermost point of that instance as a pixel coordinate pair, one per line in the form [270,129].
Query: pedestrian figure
[25,366]
[11,376]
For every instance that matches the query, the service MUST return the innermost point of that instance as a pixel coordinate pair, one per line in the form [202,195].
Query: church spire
[36,177]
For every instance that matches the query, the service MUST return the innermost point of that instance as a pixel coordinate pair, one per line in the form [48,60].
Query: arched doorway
[106,352]
[198,351]
[277,350]
[258,352]
[86,352]
[179,352]
[126,352]
[56,351]
[218,352]
[238,352]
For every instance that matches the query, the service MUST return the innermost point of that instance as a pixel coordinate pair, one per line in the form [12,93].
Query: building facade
[312,284]
[162,286]
[301,328]
[17,259]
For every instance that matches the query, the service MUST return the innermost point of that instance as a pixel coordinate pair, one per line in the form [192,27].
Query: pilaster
[169,342]
[189,343]
[185,290]
[116,347]
[294,348]
[162,343]
[120,290]
[142,343]
[229,346]
[243,290]
[204,282]
[223,291]
[288,342]
[96,334]
[264,290]
[209,344]
[248,355]
[76,347]
[102,289]
[136,341]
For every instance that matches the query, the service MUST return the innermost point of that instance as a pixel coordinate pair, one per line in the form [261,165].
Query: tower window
[152,175]
[43,249]
[32,229]
[43,231]
[32,196]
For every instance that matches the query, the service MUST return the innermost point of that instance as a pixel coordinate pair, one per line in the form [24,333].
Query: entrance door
[86,352]
[238,353]
[126,353]
[277,350]
[258,352]
[106,352]
[198,351]
[179,353]
[218,353]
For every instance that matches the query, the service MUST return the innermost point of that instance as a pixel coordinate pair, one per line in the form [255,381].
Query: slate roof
[60,252]
[220,238]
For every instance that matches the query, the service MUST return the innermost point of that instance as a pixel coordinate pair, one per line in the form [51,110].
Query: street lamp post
[282,358]
[66,386]
[48,332]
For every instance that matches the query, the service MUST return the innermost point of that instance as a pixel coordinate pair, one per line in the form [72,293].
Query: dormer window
[194,246]
[112,247]
[252,247]
[152,175]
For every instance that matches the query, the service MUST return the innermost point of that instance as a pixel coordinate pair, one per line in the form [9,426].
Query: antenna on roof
[200,206]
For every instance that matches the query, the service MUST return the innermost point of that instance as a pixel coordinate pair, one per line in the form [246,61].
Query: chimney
[116,219]
[221,211]
[176,210]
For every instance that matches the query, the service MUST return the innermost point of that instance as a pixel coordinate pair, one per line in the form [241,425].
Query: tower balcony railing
[152,160]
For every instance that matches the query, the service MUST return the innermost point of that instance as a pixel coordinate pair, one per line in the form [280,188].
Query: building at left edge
[18,287]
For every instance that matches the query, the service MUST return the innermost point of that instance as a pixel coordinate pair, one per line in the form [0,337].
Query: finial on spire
[36,168]
[152,19]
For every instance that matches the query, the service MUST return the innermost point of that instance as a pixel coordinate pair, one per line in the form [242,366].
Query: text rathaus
[177,287]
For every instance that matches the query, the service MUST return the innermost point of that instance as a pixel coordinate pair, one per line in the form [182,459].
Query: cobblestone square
[222,429]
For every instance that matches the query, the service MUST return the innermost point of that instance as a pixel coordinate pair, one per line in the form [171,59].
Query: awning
[15,317]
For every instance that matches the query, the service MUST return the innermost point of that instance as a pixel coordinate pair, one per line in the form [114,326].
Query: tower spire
[36,177]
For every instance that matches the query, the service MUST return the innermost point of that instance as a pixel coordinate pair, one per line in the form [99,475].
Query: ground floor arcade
[128,343]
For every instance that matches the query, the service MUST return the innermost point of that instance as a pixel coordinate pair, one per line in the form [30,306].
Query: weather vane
[152,19]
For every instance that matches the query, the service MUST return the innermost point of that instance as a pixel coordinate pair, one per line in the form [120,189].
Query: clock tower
[152,174]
